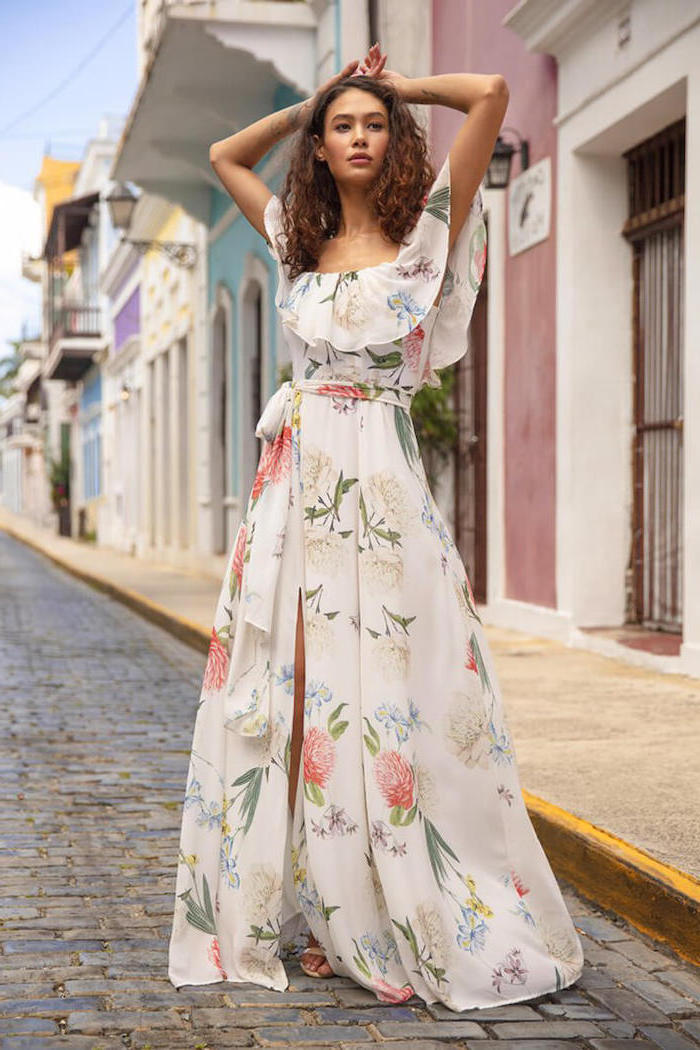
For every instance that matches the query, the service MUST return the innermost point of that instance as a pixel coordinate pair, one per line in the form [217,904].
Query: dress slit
[298,701]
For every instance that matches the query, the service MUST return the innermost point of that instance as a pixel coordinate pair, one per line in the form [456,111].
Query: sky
[83,55]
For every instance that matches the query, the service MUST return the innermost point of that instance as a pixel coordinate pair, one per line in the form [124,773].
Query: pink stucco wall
[468,37]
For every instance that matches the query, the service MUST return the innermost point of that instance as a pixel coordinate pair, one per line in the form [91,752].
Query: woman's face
[355,122]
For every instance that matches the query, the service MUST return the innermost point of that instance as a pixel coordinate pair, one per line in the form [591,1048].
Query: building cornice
[553,26]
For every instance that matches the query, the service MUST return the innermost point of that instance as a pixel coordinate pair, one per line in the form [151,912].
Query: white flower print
[466,730]
[257,964]
[273,742]
[349,305]
[563,946]
[317,472]
[390,499]
[319,634]
[325,551]
[392,657]
[432,933]
[262,893]
[381,570]
[426,791]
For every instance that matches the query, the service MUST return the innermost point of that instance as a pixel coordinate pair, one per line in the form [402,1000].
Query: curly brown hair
[310,202]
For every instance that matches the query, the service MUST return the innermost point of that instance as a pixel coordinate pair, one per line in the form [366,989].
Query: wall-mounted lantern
[121,203]
[498,171]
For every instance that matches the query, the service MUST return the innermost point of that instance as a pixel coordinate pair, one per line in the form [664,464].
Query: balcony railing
[72,320]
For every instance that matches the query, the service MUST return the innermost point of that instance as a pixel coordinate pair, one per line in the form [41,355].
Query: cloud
[20,230]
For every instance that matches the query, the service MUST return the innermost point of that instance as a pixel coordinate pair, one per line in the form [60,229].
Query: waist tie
[249,675]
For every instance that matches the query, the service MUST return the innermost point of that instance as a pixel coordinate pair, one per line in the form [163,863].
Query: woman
[352,779]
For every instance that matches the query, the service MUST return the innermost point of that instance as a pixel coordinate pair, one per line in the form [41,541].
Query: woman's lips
[360,160]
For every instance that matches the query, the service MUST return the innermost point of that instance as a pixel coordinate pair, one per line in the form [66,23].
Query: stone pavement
[96,727]
[615,744]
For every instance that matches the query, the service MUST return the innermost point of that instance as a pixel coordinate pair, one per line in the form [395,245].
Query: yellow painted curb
[656,898]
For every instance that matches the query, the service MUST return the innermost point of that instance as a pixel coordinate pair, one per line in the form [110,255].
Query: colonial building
[585,495]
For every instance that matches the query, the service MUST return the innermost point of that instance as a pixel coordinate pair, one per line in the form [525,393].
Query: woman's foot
[314,962]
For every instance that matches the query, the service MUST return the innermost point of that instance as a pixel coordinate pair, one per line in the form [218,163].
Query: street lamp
[498,171]
[121,203]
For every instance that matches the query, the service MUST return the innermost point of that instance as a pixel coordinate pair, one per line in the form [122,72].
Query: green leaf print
[470,607]
[402,621]
[343,278]
[333,723]
[360,961]
[401,817]
[371,739]
[481,666]
[314,793]
[252,780]
[422,956]
[200,915]
[260,934]
[438,204]
[328,910]
[410,936]
[386,361]
[437,852]
[406,435]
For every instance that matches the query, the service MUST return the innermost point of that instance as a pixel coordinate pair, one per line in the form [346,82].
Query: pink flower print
[394,779]
[511,970]
[480,263]
[319,756]
[517,882]
[470,662]
[215,957]
[386,994]
[275,461]
[412,345]
[217,663]
[238,555]
[342,390]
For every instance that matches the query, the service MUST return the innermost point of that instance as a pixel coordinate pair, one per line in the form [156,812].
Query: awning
[209,76]
[68,221]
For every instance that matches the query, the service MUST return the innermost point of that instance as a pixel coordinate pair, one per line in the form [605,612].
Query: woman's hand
[373,66]
[348,71]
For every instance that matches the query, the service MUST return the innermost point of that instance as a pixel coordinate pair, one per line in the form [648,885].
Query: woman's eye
[373,124]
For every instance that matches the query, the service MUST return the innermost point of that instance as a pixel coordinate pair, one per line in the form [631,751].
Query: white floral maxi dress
[410,855]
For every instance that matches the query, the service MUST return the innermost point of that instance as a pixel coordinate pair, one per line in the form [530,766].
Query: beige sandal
[314,949]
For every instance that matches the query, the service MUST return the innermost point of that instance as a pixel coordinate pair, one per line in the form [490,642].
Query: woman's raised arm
[484,97]
[233,158]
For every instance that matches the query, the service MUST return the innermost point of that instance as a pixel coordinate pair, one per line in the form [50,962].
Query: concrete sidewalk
[614,745]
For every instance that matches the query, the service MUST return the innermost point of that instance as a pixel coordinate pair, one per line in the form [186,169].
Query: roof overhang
[215,68]
[68,221]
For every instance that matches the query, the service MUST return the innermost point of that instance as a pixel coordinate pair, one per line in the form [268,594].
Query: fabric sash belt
[249,675]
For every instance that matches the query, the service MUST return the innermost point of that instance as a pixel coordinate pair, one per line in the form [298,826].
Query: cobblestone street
[98,709]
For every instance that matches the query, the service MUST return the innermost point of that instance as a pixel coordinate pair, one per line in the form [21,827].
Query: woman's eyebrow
[374,113]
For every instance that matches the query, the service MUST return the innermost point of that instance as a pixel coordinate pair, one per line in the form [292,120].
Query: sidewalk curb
[658,899]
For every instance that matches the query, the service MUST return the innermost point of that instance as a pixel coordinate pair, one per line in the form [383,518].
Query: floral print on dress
[410,854]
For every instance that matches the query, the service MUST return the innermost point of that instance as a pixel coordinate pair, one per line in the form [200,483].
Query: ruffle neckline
[376,305]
